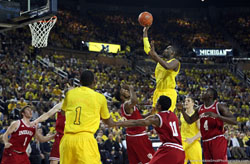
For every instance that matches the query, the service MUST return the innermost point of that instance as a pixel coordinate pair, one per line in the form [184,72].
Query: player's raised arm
[187,118]
[48,114]
[173,65]
[13,126]
[151,120]
[129,104]
[145,40]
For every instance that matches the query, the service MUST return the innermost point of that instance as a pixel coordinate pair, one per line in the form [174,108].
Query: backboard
[19,13]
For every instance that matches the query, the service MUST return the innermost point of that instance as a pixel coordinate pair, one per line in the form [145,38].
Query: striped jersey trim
[160,120]
[174,145]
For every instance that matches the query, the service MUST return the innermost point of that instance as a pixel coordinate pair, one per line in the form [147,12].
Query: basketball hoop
[40,31]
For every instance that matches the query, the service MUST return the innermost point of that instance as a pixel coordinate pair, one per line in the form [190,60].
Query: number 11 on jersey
[174,129]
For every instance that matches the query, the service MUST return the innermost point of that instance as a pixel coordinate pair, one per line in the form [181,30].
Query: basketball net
[40,31]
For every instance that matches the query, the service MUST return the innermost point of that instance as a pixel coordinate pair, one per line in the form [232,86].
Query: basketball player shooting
[165,72]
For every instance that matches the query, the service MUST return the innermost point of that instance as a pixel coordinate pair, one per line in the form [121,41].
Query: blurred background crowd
[40,77]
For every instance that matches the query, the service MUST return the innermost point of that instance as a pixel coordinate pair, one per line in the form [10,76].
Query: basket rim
[52,19]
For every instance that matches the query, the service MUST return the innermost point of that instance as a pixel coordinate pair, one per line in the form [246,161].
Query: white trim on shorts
[222,135]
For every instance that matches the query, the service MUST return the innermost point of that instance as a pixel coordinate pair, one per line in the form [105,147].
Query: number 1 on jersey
[77,119]
[25,140]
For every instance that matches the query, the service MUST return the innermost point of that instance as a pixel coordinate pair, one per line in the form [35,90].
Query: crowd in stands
[25,81]
[190,34]
[238,26]
[186,32]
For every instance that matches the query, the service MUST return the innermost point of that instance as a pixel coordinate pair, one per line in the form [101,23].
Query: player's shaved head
[87,78]
[170,51]
[171,48]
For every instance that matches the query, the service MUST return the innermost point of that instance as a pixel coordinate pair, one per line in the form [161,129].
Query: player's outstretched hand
[51,135]
[189,140]
[145,29]
[7,145]
[131,87]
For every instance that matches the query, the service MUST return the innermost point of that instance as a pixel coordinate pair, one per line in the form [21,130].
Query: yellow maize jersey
[83,109]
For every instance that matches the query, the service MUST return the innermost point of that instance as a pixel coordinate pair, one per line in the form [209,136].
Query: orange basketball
[145,19]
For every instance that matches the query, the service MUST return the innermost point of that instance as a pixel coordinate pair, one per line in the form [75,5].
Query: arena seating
[40,83]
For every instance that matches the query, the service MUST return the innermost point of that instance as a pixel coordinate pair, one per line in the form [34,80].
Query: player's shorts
[169,155]
[215,150]
[80,148]
[10,156]
[193,152]
[171,93]
[54,154]
[139,149]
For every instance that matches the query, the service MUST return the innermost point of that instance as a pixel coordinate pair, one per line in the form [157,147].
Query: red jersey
[60,123]
[134,116]
[168,131]
[210,127]
[21,137]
